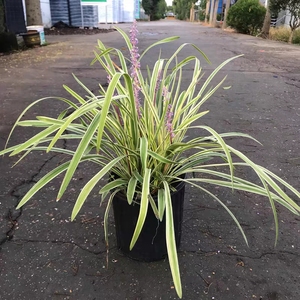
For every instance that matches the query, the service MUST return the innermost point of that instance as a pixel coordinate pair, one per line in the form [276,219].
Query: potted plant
[135,132]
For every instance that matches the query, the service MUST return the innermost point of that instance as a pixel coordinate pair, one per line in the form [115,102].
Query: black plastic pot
[151,244]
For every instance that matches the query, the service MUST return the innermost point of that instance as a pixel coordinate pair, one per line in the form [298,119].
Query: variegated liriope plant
[136,129]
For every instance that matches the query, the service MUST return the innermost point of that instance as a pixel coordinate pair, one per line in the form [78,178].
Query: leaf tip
[130,246]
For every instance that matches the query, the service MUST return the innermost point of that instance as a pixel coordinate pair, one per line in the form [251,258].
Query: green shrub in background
[296,37]
[202,15]
[282,34]
[182,9]
[246,16]
[202,9]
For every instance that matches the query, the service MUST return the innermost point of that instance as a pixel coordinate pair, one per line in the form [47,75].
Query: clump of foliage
[170,8]
[203,4]
[182,8]
[155,9]
[246,16]
[202,8]
[161,9]
[201,16]
[282,34]
[296,37]
[294,8]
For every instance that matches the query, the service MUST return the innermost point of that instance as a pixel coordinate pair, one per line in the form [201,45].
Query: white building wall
[116,11]
[46,13]
[105,12]
[128,10]
[121,10]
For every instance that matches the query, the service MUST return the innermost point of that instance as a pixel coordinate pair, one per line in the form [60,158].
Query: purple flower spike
[165,93]
[157,86]
[169,118]
[135,65]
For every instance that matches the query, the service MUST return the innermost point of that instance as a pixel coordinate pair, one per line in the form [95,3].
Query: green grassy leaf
[131,189]
[163,41]
[171,242]
[144,152]
[222,204]
[42,182]
[35,139]
[106,104]
[161,203]
[90,185]
[143,208]
[153,206]
[160,158]
[125,37]
[106,215]
[112,185]
[79,153]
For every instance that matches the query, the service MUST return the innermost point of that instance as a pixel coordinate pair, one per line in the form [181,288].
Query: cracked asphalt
[45,256]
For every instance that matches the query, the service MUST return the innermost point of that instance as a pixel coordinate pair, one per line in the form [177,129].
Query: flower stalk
[135,66]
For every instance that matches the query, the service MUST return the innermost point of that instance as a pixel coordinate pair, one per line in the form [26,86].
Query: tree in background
[161,9]
[202,8]
[267,23]
[227,6]
[202,4]
[33,12]
[293,6]
[182,8]
[155,9]
[169,8]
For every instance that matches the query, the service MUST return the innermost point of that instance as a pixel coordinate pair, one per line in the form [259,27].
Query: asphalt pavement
[45,256]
